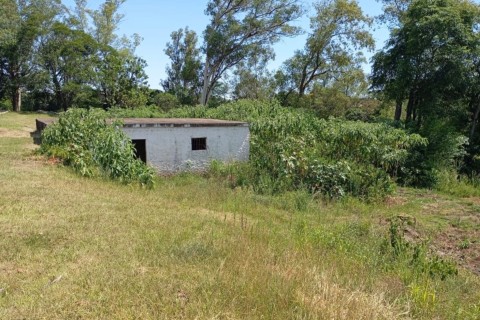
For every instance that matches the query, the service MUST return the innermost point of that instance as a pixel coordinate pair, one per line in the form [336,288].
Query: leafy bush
[85,140]
[292,149]
[445,151]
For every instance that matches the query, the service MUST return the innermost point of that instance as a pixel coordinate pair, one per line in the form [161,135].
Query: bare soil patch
[458,237]
[461,245]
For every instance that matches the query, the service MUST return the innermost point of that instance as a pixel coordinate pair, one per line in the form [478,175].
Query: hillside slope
[192,248]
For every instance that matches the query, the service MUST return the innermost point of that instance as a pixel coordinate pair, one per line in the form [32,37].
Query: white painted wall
[170,148]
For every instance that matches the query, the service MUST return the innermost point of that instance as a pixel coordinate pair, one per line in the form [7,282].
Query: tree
[80,16]
[427,60]
[69,56]
[394,12]
[239,27]
[121,78]
[106,20]
[474,88]
[21,25]
[184,73]
[337,30]
[351,80]
[251,78]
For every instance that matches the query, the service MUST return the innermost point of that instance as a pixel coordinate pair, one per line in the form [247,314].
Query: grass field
[192,248]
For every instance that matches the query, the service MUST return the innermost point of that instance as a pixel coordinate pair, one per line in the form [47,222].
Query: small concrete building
[172,144]
[187,144]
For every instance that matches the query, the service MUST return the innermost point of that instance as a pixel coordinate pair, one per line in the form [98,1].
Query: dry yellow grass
[78,248]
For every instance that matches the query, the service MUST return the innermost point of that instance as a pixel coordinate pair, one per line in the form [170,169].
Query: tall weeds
[292,149]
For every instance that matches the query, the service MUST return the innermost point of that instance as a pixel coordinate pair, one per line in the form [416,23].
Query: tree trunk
[17,99]
[410,106]
[301,91]
[58,92]
[398,110]
[204,97]
[16,90]
[474,122]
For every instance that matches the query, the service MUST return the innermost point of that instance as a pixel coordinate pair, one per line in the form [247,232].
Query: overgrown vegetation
[272,244]
[85,140]
[53,57]
[90,248]
[292,149]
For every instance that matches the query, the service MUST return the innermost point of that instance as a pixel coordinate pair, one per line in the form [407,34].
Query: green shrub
[165,101]
[86,141]
[5,105]
[445,150]
[292,149]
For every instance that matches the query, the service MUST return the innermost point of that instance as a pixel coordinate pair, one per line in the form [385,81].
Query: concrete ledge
[180,122]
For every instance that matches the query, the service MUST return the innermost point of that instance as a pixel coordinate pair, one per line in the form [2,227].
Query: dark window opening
[140,147]
[199,143]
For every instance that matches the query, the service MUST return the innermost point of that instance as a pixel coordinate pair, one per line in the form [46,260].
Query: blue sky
[154,20]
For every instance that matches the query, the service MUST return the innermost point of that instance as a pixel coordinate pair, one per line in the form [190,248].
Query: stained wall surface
[169,149]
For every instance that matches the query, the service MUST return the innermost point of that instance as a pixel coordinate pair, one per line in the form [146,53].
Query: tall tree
[428,59]
[21,25]
[121,78]
[338,30]
[69,56]
[251,78]
[474,88]
[238,27]
[106,21]
[80,15]
[184,72]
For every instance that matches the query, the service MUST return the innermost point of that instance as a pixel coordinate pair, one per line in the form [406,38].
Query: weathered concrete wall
[170,148]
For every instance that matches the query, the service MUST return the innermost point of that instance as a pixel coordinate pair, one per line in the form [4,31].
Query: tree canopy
[184,72]
[239,27]
[62,58]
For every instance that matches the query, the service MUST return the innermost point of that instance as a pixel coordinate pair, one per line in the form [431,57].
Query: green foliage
[430,64]
[238,29]
[140,112]
[453,183]
[291,149]
[68,56]
[86,141]
[445,151]
[5,104]
[121,78]
[337,30]
[165,101]
[184,73]
[22,24]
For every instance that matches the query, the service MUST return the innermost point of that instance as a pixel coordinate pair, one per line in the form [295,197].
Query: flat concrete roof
[161,122]
[180,122]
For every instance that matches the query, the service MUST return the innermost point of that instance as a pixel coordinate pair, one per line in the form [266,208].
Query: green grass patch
[196,247]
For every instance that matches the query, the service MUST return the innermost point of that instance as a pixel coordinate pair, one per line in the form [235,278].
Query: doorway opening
[140,146]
